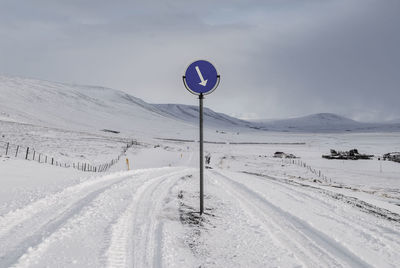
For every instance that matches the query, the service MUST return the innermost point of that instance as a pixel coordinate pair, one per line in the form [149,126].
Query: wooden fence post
[16,152]
[8,144]
[27,152]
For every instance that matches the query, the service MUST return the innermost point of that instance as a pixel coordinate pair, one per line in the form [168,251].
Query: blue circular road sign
[201,77]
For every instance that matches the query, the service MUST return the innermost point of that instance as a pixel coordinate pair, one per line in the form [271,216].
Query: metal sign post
[201,154]
[201,78]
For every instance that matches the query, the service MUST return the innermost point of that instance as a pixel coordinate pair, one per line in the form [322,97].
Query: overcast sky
[277,58]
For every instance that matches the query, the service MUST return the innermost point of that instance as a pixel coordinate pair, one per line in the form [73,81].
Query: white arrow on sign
[203,82]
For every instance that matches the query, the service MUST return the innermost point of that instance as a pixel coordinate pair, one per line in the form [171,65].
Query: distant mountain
[323,122]
[394,121]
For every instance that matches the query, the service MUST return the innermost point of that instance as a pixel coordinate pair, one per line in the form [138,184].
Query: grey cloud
[276,58]
[350,66]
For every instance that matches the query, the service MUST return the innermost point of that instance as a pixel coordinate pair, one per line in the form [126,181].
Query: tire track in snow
[357,203]
[292,231]
[383,236]
[97,216]
[117,254]
[18,216]
[82,223]
[27,227]
[133,235]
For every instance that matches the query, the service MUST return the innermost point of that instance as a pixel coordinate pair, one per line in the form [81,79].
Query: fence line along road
[28,153]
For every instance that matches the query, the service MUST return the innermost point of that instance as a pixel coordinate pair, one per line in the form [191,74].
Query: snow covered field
[260,211]
[64,145]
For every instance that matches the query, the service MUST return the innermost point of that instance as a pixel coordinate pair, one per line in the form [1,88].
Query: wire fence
[29,153]
[303,164]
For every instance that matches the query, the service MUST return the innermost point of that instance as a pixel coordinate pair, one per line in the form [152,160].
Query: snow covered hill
[95,108]
[190,113]
[324,122]
[71,106]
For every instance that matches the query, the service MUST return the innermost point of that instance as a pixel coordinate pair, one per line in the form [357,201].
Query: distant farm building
[347,155]
[283,155]
[395,157]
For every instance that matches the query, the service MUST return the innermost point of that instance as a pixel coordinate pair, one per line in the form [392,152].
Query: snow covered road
[89,224]
[301,226]
[147,218]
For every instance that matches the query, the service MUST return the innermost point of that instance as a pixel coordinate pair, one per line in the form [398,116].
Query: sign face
[201,77]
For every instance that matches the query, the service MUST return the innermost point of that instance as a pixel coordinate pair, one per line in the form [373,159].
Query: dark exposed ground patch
[188,215]
[195,223]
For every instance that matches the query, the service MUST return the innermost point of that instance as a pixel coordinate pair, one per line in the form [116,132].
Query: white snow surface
[260,211]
